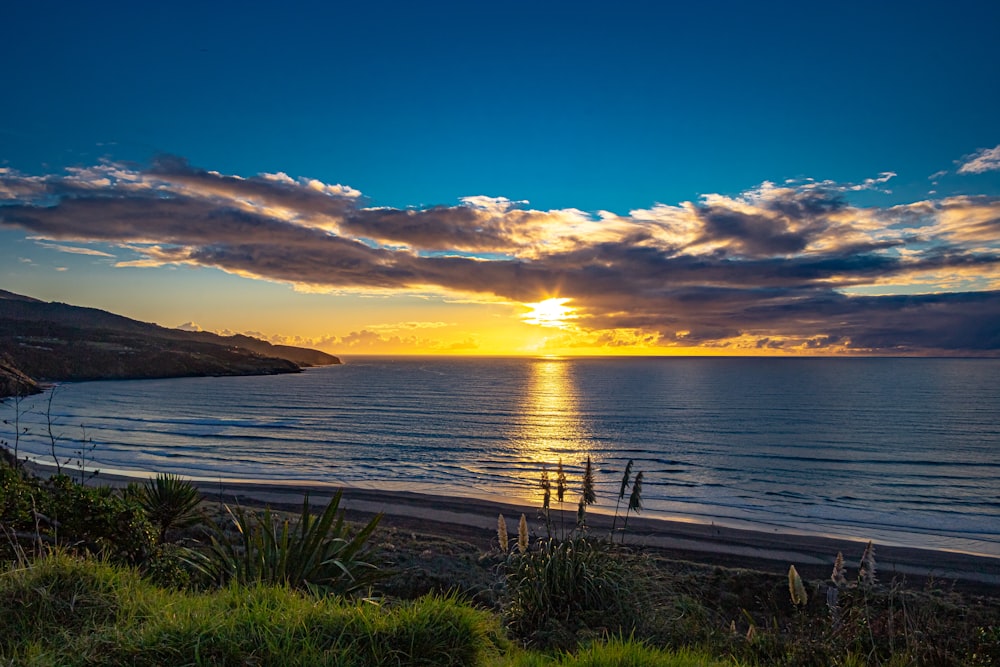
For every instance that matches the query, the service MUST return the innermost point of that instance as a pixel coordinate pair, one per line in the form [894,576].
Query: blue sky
[600,108]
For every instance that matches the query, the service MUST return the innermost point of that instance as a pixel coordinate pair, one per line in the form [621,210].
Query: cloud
[75,250]
[985,159]
[791,267]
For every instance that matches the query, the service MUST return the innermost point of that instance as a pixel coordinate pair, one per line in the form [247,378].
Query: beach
[474,520]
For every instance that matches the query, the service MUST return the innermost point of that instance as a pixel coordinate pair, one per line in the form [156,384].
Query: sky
[516,178]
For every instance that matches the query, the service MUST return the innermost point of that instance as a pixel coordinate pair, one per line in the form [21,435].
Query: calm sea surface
[905,451]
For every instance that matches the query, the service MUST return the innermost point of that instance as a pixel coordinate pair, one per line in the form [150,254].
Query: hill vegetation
[42,341]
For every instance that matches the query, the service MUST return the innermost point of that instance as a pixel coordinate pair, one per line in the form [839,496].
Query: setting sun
[550,313]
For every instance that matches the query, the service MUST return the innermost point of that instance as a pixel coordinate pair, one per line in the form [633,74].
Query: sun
[550,313]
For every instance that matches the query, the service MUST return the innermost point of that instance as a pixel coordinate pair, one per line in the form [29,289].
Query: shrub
[563,588]
[97,520]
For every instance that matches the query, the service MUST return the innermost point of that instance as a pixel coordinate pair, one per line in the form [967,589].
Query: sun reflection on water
[551,427]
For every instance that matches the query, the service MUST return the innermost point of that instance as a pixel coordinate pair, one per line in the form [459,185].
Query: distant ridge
[50,341]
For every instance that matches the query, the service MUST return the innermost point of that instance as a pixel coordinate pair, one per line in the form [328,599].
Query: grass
[63,610]
[562,587]
[69,596]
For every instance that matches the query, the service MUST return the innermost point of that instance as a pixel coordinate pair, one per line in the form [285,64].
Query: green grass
[60,610]
[63,610]
[558,589]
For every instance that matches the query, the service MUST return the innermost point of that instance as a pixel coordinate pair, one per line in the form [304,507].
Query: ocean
[902,451]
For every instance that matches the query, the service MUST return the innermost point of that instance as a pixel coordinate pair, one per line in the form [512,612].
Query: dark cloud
[773,269]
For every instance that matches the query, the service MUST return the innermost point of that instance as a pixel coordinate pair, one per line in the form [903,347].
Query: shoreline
[474,520]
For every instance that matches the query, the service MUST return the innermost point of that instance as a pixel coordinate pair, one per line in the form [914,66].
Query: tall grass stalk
[546,486]
[634,502]
[502,536]
[561,495]
[626,482]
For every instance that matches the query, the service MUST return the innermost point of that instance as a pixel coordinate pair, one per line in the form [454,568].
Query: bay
[903,451]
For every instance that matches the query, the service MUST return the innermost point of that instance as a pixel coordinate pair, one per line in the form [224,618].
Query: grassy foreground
[149,575]
[63,610]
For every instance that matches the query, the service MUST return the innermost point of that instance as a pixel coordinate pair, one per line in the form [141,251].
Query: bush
[96,519]
[561,589]
[60,512]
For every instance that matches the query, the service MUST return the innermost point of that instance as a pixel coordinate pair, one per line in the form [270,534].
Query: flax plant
[319,555]
[169,502]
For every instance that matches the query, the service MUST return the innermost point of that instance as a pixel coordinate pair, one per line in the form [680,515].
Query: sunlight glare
[550,313]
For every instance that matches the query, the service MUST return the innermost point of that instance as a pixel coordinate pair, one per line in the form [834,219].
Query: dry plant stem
[52,435]
[626,482]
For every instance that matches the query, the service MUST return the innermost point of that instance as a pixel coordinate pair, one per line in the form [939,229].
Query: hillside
[43,341]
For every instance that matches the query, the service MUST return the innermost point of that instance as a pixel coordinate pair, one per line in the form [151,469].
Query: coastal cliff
[43,341]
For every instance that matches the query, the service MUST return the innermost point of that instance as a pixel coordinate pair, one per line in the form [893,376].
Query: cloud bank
[792,266]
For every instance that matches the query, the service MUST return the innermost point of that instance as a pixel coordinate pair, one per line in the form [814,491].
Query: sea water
[904,451]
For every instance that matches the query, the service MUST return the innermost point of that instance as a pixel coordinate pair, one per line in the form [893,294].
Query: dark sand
[474,520]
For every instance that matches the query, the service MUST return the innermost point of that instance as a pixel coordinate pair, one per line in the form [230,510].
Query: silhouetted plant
[561,494]
[19,431]
[170,502]
[546,486]
[626,482]
[587,495]
[634,501]
[866,571]
[85,452]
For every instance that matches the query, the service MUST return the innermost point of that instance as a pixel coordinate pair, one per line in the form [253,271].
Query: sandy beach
[474,520]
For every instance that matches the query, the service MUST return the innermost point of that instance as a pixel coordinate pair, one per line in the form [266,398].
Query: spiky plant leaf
[169,502]
[317,554]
